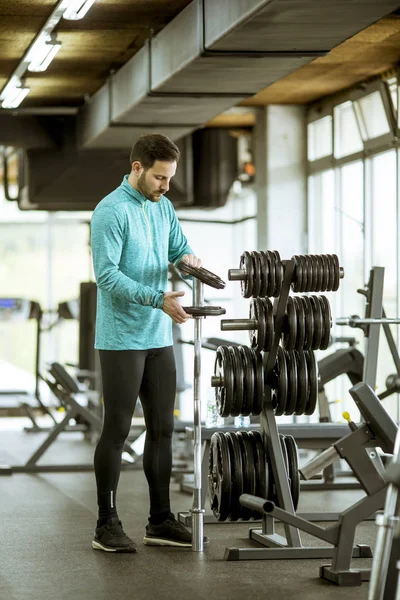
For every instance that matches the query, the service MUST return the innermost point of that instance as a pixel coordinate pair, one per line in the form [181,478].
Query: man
[134,235]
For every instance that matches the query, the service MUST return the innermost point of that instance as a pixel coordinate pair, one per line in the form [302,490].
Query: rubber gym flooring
[46,529]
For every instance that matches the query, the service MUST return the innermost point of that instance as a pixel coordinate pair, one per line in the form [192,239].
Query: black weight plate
[269,323]
[327,315]
[261,469]
[228,378]
[259,378]
[263,271]
[315,273]
[305,274]
[257,335]
[302,383]
[318,322]
[301,323]
[289,336]
[325,271]
[238,374]
[310,273]
[237,476]
[256,276]
[292,383]
[281,389]
[319,265]
[278,273]
[249,478]
[272,277]
[267,274]
[331,272]
[337,273]
[248,380]
[220,391]
[286,465]
[309,319]
[247,265]
[312,382]
[253,467]
[294,476]
[219,476]
[262,324]
[297,275]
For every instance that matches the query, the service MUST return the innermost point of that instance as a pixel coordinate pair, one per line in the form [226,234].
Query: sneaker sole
[98,546]
[150,541]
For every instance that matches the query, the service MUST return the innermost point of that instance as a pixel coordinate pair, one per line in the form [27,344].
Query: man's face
[154,182]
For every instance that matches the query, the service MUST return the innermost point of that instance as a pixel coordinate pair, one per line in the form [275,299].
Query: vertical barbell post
[197,510]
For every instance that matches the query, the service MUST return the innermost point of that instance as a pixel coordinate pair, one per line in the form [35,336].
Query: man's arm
[107,235]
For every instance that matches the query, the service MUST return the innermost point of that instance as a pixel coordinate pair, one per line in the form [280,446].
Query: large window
[353,209]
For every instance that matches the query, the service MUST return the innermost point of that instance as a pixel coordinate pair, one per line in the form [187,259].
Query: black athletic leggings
[151,375]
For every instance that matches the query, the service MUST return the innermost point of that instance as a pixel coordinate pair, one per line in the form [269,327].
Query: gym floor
[47,527]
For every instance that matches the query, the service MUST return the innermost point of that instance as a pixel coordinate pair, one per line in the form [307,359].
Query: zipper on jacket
[147,221]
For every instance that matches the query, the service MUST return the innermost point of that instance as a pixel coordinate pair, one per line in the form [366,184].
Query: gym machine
[22,309]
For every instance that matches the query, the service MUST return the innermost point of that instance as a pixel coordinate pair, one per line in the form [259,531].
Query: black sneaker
[170,533]
[112,538]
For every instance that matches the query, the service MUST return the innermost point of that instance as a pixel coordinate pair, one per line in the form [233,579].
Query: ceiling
[113,31]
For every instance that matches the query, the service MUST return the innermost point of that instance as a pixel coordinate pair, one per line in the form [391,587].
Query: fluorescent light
[42,53]
[77,9]
[13,94]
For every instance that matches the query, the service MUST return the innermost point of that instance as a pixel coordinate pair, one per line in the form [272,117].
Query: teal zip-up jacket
[133,240]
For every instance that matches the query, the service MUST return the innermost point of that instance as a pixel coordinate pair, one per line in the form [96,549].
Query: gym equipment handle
[238,324]
[319,463]
[237,274]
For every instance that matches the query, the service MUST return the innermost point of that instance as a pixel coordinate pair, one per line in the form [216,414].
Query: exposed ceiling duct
[212,56]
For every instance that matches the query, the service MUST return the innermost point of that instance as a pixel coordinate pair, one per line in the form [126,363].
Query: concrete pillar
[281,179]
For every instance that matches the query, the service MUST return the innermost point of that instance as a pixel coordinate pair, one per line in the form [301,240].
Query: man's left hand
[192,260]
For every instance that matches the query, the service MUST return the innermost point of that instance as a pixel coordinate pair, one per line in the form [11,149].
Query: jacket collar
[134,194]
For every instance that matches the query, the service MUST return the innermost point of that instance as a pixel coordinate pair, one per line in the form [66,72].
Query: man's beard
[144,188]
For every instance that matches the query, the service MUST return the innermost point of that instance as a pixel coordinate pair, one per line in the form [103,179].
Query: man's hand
[172,307]
[192,260]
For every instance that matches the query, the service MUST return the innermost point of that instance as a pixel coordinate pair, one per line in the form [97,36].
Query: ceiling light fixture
[14,93]
[77,9]
[42,53]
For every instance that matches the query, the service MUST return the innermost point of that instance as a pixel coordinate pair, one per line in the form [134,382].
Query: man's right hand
[172,307]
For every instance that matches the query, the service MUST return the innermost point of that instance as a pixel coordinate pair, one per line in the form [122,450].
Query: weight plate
[259,378]
[226,372]
[275,498]
[294,476]
[297,274]
[248,380]
[272,276]
[331,272]
[320,269]
[312,382]
[269,323]
[238,375]
[302,383]
[256,276]
[247,284]
[278,273]
[305,276]
[264,282]
[253,467]
[236,476]
[301,323]
[309,320]
[292,383]
[310,273]
[289,334]
[281,390]
[257,336]
[261,471]
[327,318]
[325,269]
[318,322]
[316,274]
[337,273]
[249,477]
[262,324]
[219,476]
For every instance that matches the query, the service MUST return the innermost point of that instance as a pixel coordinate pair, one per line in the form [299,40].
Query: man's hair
[149,148]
